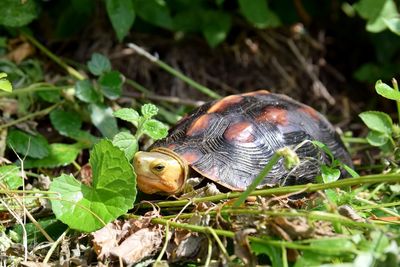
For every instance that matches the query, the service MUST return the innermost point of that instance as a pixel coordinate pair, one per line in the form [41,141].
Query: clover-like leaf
[377,121]
[127,114]
[111,84]
[127,143]
[99,64]
[149,110]
[85,91]
[34,146]
[67,123]
[18,13]
[112,193]
[386,91]
[329,174]
[155,129]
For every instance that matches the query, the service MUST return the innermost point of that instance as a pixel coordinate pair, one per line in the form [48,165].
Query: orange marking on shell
[200,125]
[240,132]
[191,156]
[274,115]
[256,93]
[310,111]
[224,103]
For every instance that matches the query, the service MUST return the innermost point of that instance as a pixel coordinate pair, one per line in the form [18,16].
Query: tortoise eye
[158,168]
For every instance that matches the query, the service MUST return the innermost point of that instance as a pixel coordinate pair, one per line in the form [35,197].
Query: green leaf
[274,253]
[51,225]
[149,110]
[51,96]
[377,121]
[386,91]
[5,84]
[99,64]
[122,16]
[258,13]
[15,13]
[34,146]
[216,26]
[59,155]
[127,114]
[85,91]
[127,143]
[155,129]
[375,138]
[111,84]
[103,119]
[393,24]
[155,12]
[10,176]
[329,174]
[67,123]
[112,193]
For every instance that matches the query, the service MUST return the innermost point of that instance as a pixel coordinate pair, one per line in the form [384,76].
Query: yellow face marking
[158,172]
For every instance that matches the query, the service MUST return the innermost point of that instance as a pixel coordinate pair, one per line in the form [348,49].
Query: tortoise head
[160,171]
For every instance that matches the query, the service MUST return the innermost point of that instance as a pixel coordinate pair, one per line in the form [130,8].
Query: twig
[54,246]
[33,88]
[71,71]
[30,116]
[164,248]
[171,70]
[362,180]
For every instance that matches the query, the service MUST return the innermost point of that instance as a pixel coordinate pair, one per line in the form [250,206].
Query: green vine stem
[312,215]
[396,87]
[370,179]
[30,116]
[71,71]
[242,198]
[171,70]
[230,234]
[36,87]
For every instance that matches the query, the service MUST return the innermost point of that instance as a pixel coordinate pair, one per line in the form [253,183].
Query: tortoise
[230,140]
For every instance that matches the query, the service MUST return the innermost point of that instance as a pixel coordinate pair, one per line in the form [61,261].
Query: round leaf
[127,143]
[216,26]
[111,84]
[155,12]
[112,193]
[34,146]
[375,138]
[85,91]
[99,64]
[258,13]
[377,121]
[127,114]
[155,129]
[149,110]
[67,123]
[17,13]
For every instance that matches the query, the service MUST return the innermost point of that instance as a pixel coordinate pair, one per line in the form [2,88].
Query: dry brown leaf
[242,247]
[20,51]
[139,245]
[105,239]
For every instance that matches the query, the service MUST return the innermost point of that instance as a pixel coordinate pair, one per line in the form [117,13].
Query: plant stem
[357,140]
[274,159]
[396,87]
[230,234]
[137,86]
[54,246]
[71,71]
[171,70]
[30,116]
[369,179]
[33,88]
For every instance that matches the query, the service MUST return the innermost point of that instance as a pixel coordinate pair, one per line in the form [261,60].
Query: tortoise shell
[230,140]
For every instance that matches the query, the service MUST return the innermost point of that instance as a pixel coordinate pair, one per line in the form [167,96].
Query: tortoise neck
[179,159]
